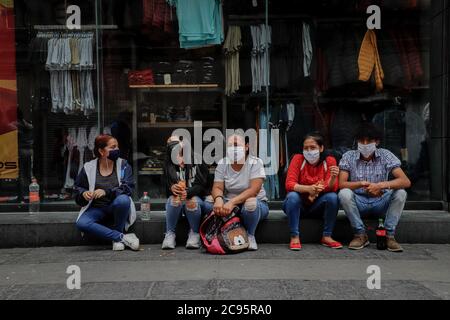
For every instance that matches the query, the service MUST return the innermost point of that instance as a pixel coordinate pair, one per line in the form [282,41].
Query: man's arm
[345,184]
[401,181]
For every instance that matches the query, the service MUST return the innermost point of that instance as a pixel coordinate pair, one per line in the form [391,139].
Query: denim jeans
[89,221]
[251,217]
[357,206]
[326,205]
[174,212]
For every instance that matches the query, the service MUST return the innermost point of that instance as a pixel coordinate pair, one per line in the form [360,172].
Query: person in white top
[238,182]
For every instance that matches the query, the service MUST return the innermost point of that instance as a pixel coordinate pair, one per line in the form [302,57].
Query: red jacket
[310,174]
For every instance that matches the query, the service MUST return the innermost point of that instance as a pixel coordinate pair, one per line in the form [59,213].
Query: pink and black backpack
[223,235]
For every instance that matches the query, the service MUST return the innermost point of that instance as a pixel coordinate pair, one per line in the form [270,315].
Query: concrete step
[47,229]
[159,205]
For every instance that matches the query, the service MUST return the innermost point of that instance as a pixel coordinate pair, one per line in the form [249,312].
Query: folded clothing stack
[154,163]
[184,72]
[141,77]
[207,70]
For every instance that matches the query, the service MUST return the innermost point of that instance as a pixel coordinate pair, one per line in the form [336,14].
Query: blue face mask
[114,155]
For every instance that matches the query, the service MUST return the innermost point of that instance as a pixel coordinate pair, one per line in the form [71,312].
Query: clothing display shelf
[57,31]
[147,128]
[179,88]
[82,28]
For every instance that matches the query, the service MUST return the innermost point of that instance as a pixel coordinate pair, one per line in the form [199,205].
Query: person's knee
[174,202]
[332,198]
[293,197]
[192,204]
[123,201]
[83,224]
[209,199]
[400,195]
[250,205]
[346,196]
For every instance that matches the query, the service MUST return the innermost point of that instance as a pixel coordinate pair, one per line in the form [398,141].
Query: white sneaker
[169,241]
[118,246]
[253,246]
[131,241]
[193,241]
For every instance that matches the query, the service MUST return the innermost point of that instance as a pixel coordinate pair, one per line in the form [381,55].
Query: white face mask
[367,150]
[312,156]
[236,154]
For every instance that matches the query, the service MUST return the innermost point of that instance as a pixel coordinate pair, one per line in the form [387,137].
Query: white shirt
[237,182]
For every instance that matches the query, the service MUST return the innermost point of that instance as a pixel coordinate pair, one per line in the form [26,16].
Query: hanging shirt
[369,60]
[200,22]
[231,49]
[307,50]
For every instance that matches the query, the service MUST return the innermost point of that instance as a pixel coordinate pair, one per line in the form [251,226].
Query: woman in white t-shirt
[238,182]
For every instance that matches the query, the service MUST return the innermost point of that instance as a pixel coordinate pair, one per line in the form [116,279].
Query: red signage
[9,168]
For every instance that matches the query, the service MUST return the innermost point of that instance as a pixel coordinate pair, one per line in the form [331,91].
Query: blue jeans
[357,206]
[250,213]
[119,208]
[326,205]
[174,212]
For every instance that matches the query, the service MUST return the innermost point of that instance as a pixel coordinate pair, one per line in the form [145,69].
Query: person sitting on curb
[186,189]
[366,189]
[312,183]
[238,182]
[103,189]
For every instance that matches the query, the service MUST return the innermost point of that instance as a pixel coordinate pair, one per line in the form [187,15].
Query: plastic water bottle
[35,200]
[145,207]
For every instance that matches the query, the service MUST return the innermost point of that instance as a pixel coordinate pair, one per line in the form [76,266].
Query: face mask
[312,156]
[367,149]
[114,155]
[236,154]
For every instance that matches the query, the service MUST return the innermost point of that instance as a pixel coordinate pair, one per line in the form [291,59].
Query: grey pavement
[422,272]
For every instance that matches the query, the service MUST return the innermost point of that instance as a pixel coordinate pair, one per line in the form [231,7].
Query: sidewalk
[421,272]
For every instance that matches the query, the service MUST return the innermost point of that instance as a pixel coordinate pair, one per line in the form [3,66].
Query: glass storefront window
[287,65]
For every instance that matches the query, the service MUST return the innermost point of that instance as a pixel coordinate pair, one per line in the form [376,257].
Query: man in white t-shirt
[238,182]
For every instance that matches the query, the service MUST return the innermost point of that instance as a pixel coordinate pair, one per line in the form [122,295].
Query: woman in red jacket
[311,184]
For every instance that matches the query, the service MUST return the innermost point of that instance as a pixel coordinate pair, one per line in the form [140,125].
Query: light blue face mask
[367,150]
[312,156]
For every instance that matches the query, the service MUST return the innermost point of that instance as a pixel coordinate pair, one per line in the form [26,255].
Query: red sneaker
[332,245]
[295,246]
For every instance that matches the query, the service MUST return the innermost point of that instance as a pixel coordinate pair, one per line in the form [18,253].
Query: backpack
[223,235]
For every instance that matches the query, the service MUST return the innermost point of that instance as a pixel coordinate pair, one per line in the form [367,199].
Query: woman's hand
[176,190]
[88,195]
[218,206]
[227,209]
[334,171]
[315,190]
[319,187]
[99,193]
